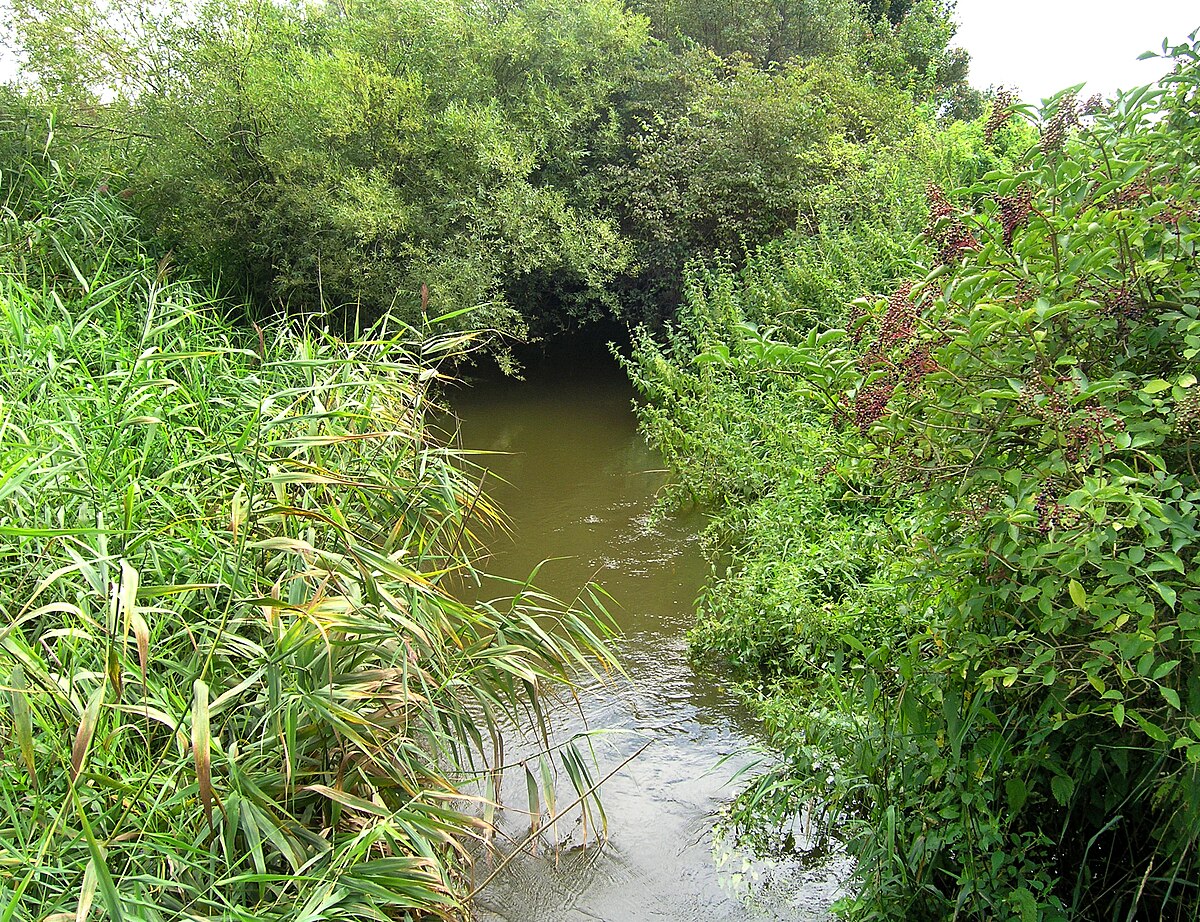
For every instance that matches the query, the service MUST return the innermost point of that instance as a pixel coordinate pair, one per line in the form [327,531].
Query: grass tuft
[235,683]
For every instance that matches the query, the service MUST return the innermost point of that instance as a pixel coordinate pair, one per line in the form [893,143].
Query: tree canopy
[534,165]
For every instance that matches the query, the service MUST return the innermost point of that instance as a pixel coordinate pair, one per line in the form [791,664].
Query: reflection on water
[579,485]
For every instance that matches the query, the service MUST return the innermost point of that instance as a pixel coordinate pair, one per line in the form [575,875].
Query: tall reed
[233,684]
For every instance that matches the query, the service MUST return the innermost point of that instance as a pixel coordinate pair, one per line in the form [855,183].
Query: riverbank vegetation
[241,242]
[235,684]
[929,356]
[956,457]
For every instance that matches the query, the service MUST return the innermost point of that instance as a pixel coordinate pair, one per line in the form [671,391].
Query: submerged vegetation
[930,357]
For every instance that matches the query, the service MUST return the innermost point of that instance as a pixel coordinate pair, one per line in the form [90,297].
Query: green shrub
[1015,733]
[531,166]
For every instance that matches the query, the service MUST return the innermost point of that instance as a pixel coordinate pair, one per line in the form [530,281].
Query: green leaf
[1163,669]
[1017,793]
[1078,595]
[1025,903]
[22,718]
[1062,788]
[1167,593]
[1151,730]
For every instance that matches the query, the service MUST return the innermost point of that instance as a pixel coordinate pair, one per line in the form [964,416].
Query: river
[579,485]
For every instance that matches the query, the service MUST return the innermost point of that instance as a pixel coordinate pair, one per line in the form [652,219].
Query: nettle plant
[1038,390]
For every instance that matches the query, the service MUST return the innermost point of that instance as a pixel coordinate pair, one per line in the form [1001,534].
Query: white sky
[1042,46]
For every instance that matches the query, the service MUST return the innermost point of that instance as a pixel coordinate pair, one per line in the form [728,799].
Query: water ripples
[581,489]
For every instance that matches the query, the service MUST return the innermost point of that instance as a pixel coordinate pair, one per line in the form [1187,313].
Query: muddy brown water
[580,486]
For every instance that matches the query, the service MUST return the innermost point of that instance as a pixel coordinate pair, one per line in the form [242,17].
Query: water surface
[580,486]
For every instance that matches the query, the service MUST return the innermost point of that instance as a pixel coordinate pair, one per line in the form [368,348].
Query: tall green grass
[233,684]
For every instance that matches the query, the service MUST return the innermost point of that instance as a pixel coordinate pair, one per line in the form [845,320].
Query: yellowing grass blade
[348,800]
[551,794]
[86,731]
[237,511]
[141,633]
[131,619]
[535,803]
[202,746]
[87,892]
[114,673]
[127,597]
[99,865]
[131,495]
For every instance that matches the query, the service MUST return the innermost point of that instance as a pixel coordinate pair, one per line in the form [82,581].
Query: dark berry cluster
[1002,110]
[899,320]
[946,229]
[1125,304]
[897,351]
[1094,105]
[977,506]
[1024,293]
[1098,427]
[1049,510]
[939,206]
[856,321]
[1050,408]
[1065,117]
[955,241]
[1129,196]
[1083,426]
[871,402]
[1174,213]
[1014,212]
[1187,415]
[917,364]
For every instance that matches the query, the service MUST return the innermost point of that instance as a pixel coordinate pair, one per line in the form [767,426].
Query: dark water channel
[580,485]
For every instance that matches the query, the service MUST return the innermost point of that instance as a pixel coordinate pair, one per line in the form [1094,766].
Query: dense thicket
[964,514]
[534,164]
[938,375]
[234,682]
